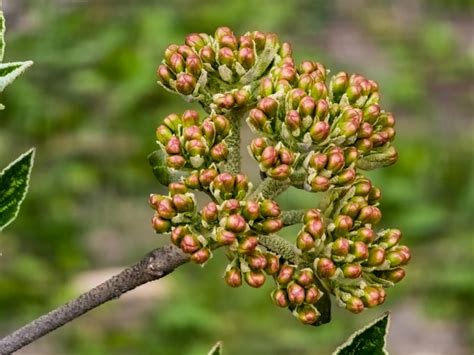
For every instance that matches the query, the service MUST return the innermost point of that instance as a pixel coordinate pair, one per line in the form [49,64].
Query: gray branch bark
[155,265]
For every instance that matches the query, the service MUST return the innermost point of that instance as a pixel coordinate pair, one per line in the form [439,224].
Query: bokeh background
[90,105]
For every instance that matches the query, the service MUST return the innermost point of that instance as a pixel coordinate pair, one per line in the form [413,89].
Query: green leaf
[216,349]
[10,71]
[163,174]
[14,182]
[369,340]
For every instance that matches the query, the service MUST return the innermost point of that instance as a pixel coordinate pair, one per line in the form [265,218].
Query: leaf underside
[14,182]
[369,340]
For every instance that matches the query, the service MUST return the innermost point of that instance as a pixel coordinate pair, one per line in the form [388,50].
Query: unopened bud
[269,208]
[195,40]
[242,97]
[305,241]
[370,215]
[269,157]
[352,271]
[325,267]
[376,256]
[335,162]
[190,244]
[247,244]
[233,277]
[206,176]
[166,209]
[319,90]
[266,87]
[256,260]
[269,106]
[343,224]
[351,209]
[164,74]
[222,125]
[201,256]
[193,65]
[390,238]
[371,113]
[304,277]
[340,247]
[160,225]
[273,264]
[226,56]
[235,223]
[319,131]
[307,314]
[359,250]
[210,212]
[207,55]
[315,227]
[185,83]
[371,298]
[225,237]
[192,181]
[183,203]
[365,235]
[195,147]
[255,278]
[307,106]
[313,294]
[362,188]
[296,294]
[354,304]
[280,298]
[246,57]
[285,274]
[319,183]
[270,226]
[394,275]
[177,188]
[219,152]
[311,214]
[351,154]
[339,83]
[251,210]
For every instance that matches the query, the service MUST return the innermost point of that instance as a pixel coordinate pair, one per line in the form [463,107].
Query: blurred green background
[90,105]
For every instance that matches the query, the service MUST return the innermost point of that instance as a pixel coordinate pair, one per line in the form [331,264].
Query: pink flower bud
[177,188]
[285,274]
[269,208]
[319,184]
[307,314]
[322,109]
[225,56]
[242,97]
[219,152]
[376,256]
[233,277]
[272,225]
[371,298]
[305,241]
[294,98]
[352,271]
[256,260]
[351,209]
[304,277]
[370,215]
[164,74]
[362,188]
[229,41]
[335,162]
[266,87]
[347,176]
[359,250]
[192,132]
[201,256]
[154,200]
[351,154]
[311,214]
[296,294]
[190,244]
[206,176]
[173,146]
[365,235]
[313,294]
[394,275]
[166,209]
[183,203]
[390,238]
[340,247]
[185,83]
[315,227]
[255,278]
[325,267]
[192,181]
[343,224]
[280,298]
[268,105]
[319,90]
[235,223]
[175,161]
[195,40]
[176,62]
[247,244]
[269,157]
[251,210]
[210,212]
[193,65]
[371,113]
[354,305]
[195,147]
[161,225]
[273,264]
[224,237]
[163,134]
[319,131]
[307,106]
[231,206]
[222,125]
[207,55]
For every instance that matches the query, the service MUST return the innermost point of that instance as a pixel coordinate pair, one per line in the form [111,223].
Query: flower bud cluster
[353,260]
[220,70]
[297,290]
[192,143]
[309,118]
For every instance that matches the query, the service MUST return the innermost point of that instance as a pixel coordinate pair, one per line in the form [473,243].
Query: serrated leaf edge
[361,330]
[32,160]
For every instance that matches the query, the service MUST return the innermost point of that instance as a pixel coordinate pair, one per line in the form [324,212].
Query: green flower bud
[351,209]
[183,202]
[370,215]
[190,244]
[154,200]
[229,41]
[371,113]
[305,241]
[365,130]
[335,161]
[219,152]
[319,184]
[319,131]
[170,50]
[231,206]
[257,146]
[222,125]
[318,161]
[307,314]
[315,227]
[365,235]
[364,145]
[359,200]
[351,154]
[359,250]
[163,134]
[354,305]
[246,57]
[311,214]
[376,256]
[206,176]
[395,275]
[322,109]
[390,238]
[304,277]
[293,120]
[256,260]
[164,74]
[172,121]
[325,267]
[233,277]
[242,97]
[268,105]
[166,209]
[280,298]
[201,256]
[269,226]
[354,92]
[192,132]
[185,83]
[371,297]
[346,177]
[192,181]
[247,244]
[397,258]
[195,40]
[340,247]
[207,55]
[235,223]
[352,271]
[177,188]
[307,106]
[378,139]
[319,90]
[269,208]
[389,132]
[285,274]
[343,224]
[226,101]
[285,50]
[175,161]
[251,210]
[362,188]
[281,172]
[176,63]
[255,278]
[339,83]
[273,264]
[386,119]
[258,119]
[177,234]
[208,131]
[266,87]
[210,213]
[160,225]
[313,294]
[269,157]
[296,294]
[287,73]
[195,147]
[224,237]
[226,56]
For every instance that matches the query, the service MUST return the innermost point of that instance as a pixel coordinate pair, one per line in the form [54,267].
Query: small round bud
[340,247]
[183,203]
[251,210]
[173,146]
[247,244]
[362,188]
[273,264]
[394,275]
[370,215]
[233,277]
[365,235]
[255,278]
[313,294]
[272,225]
[164,74]
[269,208]
[268,105]
[319,131]
[269,157]
[319,184]
[185,83]
[307,314]
[371,298]
[256,260]
[390,238]
[335,161]
[280,298]
[376,256]
[343,224]
[352,271]
[207,55]
[177,188]
[311,214]
[296,293]
[325,267]
[305,241]
[161,225]
[304,277]
[315,227]
[190,244]
[285,274]
[375,194]
[219,152]
[359,250]
[235,223]
[246,57]
[166,209]
[224,237]
[354,305]
[210,213]
[206,176]
[201,256]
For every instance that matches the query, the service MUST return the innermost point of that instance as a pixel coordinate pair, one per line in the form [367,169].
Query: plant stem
[269,188]
[292,217]
[155,265]
[281,246]
[233,142]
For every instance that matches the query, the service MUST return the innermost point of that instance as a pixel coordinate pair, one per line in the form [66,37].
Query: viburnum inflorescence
[313,131]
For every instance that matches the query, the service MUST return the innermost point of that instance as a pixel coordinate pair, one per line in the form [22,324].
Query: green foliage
[369,340]
[14,183]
